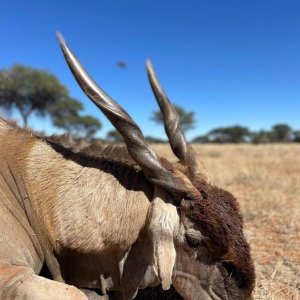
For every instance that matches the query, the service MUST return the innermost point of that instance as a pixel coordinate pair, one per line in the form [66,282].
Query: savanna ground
[266,181]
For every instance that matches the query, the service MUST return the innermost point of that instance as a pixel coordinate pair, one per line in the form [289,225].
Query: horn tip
[60,38]
[149,66]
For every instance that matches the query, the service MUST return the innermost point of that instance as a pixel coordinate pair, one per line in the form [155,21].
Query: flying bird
[121,65]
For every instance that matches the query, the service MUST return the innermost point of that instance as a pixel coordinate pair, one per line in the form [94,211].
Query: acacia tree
[233,134]
[261,137]
[186,119]
[29,90]
[66,115]
[281,133]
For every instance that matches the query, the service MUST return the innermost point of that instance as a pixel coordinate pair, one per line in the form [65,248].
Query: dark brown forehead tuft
[218,218]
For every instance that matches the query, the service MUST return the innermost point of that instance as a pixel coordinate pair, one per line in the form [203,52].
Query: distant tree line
[279,133]
[32,91]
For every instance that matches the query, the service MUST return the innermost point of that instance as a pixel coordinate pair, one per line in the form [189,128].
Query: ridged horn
[178,185]
[177,140]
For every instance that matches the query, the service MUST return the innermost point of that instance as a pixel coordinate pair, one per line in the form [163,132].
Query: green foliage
[87,126]
[63,109]
[281,133]
[66,114]
[201,139]
[29,90]
[234,134]
[114,136]
[261,137]
[187,119]
[296,136]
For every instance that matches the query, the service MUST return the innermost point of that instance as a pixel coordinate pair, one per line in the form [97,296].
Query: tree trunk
[25,120]
[25,116]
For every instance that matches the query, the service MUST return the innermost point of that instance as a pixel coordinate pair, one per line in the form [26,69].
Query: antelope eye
[192,241]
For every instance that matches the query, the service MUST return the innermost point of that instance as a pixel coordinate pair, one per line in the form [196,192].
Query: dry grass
[266,181]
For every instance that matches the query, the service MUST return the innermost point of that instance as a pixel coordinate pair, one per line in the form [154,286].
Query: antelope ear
[163,221]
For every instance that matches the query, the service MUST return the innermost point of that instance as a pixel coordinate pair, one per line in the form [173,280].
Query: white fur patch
[163,223]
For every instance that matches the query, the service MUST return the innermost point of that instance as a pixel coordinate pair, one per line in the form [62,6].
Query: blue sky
[231,62]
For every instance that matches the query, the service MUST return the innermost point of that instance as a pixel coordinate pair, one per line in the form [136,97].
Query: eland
[109,220]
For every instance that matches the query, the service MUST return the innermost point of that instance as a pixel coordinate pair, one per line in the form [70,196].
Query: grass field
[266,181]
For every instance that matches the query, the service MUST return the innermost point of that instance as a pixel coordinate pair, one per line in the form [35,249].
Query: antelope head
[196,228]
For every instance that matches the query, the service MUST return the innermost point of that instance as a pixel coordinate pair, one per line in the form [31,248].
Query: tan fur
[93,216]
[98,211]
[4,127]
